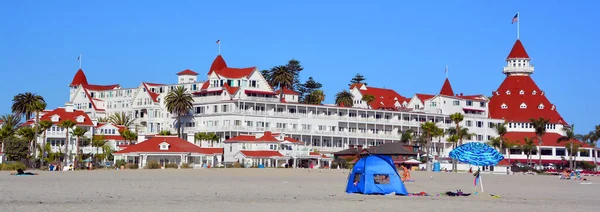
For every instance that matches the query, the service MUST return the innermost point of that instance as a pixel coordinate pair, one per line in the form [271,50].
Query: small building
[170,149]
[271,150]
[397,151]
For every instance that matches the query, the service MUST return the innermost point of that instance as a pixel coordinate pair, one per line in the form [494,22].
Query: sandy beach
[280,190]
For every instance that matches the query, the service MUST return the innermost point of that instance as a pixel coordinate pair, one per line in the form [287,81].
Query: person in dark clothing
[21,172]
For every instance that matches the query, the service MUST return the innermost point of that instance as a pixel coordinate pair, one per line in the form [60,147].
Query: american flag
[218,41]
[515,19]
[78,57]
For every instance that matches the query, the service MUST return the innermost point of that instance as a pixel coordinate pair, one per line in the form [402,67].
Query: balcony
[262,99]
[381,135]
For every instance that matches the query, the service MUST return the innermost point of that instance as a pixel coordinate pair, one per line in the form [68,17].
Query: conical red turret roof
[518,51]
[447,89]
[218,64]
[79,79]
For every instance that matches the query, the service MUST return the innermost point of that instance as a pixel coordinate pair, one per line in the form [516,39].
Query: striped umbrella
[476,153]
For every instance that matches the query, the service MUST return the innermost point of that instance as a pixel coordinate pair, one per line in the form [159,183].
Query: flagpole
[80,61]
[518,24]
[446,71]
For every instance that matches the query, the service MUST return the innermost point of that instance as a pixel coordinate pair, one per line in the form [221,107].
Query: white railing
[315,132]
[262,99]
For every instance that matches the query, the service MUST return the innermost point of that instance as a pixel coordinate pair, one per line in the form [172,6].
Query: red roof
[532,96]
[153,84]
[267,137]
[384,98]
[176,145]
[220,68]
[205,85]
[187,72]
[120,127]
[153,95]
[503,163]
[64,115]
[549,139]
[101,87]
[230,90]
[287,91]
[317,154]
[424,97]
[259,92]
[261,153]
[447,89]
[79,78]
[518,51]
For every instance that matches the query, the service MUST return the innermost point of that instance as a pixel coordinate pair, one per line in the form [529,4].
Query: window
[507,92]
[469,123]
[534,92]
[480,124]
[357,177]
[523,106]
[504,106]
[479,137]
[541,106]
[230,148]
[469,103]
[381,178]
[491,124]
[482,104]
[456,103]
[521,92]
[432,104]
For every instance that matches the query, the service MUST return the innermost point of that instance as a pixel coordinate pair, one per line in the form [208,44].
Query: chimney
[69,107]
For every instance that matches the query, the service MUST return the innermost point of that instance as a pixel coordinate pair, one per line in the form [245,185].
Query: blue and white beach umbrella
[475,153]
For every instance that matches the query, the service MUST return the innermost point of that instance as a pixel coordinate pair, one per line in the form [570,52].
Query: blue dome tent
[375,174]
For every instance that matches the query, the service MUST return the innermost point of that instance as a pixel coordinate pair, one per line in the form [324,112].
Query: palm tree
[128,135]
[368,98]
[344,98]
[66,124]
[500,128]
[78,132]
[42,127]
[540,130]
[456,118]
[37,107]
[179,102]
[495,142]
[510,145]
[592,139]
[281,76]
[24,104]
[121,119]
[407,136]
[98,141]
[429,130]
[528,147]
[212,137]
[27,134]
[103,120]
[9,127]
[569,137]
[200,137]
[315,97]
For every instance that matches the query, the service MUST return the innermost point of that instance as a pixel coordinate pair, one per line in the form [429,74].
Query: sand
[280,190]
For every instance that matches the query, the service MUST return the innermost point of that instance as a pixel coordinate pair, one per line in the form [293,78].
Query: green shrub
[11,166]
[152,165]
[120,163]
[132,166]
[186,166]
[171,166]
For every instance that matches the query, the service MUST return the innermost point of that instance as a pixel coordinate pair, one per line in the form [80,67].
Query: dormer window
[523,106]
[541,106]
[521,92]
[504,106]
[55,118]
[534,92]
[80,119]
[164,146]
[497,93]
[553,107]
[507,92]
[542,93]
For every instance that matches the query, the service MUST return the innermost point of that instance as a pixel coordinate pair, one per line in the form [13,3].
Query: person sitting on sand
[405,173]
[21,172]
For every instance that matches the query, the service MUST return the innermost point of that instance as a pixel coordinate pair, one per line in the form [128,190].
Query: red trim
[259,92]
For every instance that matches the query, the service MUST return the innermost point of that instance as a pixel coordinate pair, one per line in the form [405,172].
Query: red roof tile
[153,95]
[261,153]
[447,88]
[101,87]
[518,51]
[211,151]
[220,68]
[229,89]
[79,78]
[218,64]
[187,72]
[177,145]
[287,91]
[205,85]
[424,97]
[64,115]
[154,84]
[384,98]
[549,139]
[514,112]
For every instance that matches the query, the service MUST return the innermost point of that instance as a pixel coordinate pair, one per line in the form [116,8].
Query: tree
[500,128]
[570,138]
[43,126]
[179,102]
[429,130]
[368,98]
[344,98]
[9,127]
[38,107]
[121,119]
[200,137]
[27,134]
[78,132]
[304,90]
[165,132]
[24,104]
[315,97]
[295,67]
[495,142]
[510,145]
[67,125]
[456,118]
[540,130]
[98,141]
[528,147]
[103,119]
[358,79]
[407,136]
[128,135]
[212,137]
[16,148]
[281,77]
[592,139]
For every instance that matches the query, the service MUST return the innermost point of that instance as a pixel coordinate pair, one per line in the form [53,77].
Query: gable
[164,146]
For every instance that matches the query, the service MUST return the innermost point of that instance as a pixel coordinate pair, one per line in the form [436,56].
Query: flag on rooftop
[78,57]
[515,19]
[218,41]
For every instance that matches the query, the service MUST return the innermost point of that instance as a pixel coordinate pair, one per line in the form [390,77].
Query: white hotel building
[237,101]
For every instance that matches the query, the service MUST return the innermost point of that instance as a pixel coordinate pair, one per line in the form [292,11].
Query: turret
[518,61]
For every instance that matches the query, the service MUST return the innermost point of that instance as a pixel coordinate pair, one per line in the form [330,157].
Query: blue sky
[403,45]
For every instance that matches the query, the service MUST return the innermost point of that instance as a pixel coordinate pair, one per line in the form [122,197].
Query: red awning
[471,109]
[259,92]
